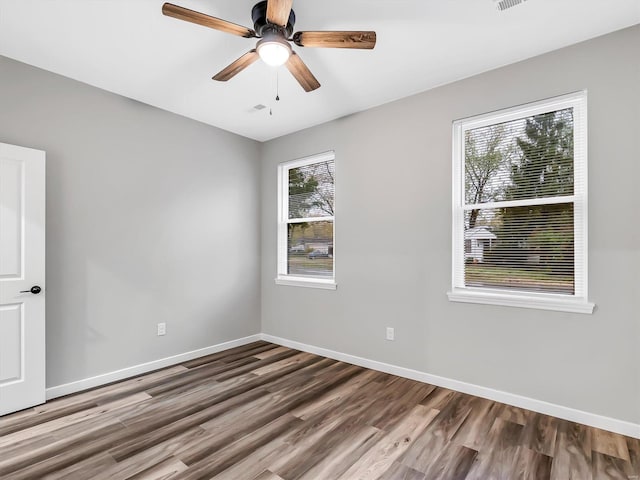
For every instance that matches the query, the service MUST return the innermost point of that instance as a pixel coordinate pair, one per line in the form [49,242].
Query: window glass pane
[311,190]
[310,249]
[521,248]
[526,158]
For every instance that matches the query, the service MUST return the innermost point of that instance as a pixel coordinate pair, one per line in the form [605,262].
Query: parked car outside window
[318,254]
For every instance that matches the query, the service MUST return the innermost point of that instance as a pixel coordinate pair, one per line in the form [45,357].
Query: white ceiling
[130,48]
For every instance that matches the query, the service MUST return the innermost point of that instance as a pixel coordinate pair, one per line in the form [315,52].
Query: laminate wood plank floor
[265,412]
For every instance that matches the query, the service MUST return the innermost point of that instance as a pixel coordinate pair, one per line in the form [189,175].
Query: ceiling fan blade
[302,73]
[236,67]
[198,18]
[278,11]
[356,39]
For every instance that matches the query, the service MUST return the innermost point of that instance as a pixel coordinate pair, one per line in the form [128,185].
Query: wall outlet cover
[391,333]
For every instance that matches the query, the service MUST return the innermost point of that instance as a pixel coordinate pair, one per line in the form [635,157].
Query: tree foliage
[301,190]
[484,155]
[311,190]
[325,191]
[540,235]
[544,167]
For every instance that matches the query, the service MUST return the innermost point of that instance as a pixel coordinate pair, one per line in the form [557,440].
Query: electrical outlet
[391,334]
[162,329]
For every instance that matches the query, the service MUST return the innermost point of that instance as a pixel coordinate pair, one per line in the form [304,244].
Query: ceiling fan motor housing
[263,27]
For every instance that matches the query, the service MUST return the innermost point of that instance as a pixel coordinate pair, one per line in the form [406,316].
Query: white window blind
[520,205]
[306,219]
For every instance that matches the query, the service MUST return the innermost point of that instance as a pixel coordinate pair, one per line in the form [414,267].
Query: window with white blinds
[305,221]
[519,206]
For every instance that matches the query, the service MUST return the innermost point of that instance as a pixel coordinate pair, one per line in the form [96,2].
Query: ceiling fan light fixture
[274,51]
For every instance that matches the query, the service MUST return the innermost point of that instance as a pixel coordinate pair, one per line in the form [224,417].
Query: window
[305,222]
[520,206]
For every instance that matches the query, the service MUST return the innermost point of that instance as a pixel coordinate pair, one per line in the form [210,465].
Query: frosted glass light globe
[274,51]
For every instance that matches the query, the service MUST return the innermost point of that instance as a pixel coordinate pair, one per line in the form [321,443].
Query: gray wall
[393,240]
[151,218]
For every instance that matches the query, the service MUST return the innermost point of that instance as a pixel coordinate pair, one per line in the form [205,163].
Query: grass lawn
[482,275]
[302,265]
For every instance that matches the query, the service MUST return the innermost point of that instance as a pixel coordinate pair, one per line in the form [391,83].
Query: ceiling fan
[273,22]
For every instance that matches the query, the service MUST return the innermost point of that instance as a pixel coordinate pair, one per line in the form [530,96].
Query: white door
[22,327]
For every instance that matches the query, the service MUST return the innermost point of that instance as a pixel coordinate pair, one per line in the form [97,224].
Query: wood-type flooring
[264,412]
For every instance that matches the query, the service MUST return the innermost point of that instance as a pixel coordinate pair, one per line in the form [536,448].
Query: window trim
[283,278]
[577,303]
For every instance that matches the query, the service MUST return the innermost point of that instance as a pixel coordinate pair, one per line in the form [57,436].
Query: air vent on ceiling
[504,4]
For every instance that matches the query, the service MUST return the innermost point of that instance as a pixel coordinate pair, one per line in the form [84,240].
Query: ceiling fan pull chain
[277,87]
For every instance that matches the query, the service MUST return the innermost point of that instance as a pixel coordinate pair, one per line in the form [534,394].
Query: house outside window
[520,206]
[306,193]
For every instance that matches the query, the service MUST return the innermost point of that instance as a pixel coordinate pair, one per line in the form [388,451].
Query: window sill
[523,300]
[307,282]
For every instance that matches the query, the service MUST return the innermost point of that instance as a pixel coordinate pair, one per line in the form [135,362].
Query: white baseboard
[566,413]
[98,380]
[586,418]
